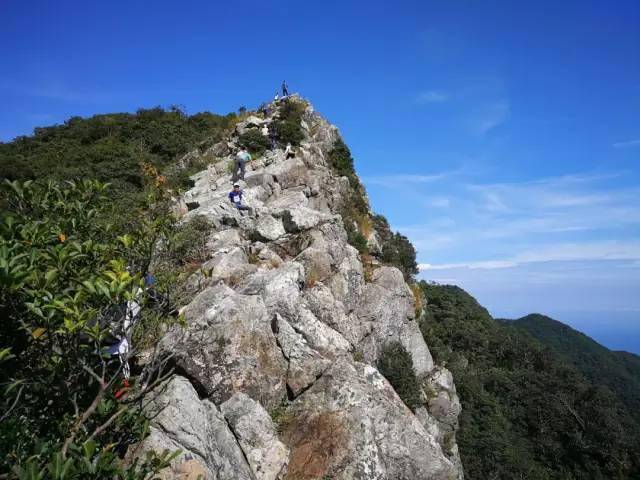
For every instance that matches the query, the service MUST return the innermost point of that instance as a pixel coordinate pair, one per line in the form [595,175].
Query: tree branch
[13,405]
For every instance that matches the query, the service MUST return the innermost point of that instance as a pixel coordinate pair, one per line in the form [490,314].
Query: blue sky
[502,137]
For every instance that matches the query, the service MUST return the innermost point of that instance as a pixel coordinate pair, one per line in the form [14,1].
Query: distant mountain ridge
[540,401]
[619,371]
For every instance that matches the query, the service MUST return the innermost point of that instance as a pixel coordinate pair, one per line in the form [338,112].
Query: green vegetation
[254,141]
[71,255]
[526,413]
[188,242]
[618,371]
[111,148]
[354,209]
[288,128]
[341,162]
[396,365]
[65,279]
[397,250]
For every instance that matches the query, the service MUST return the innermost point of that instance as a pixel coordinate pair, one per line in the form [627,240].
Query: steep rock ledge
[270,339]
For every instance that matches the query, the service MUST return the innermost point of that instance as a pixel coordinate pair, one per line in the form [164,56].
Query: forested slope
[527,412]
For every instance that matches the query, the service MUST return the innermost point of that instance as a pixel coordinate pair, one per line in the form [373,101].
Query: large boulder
[387,303]
[228,346]
[299,219]
[288,173]
[266,454]
[268,228]
[305,364]
[180,420]
[351,424]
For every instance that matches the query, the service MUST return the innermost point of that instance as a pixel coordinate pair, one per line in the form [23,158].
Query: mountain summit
[279,365]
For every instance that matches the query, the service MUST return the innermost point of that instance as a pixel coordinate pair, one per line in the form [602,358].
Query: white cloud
[568,252]
[432,96]
[393,181]
[627,144]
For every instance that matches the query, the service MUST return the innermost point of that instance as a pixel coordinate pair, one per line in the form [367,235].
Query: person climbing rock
[235,197]
[285,89]
[289,152]
[242,157]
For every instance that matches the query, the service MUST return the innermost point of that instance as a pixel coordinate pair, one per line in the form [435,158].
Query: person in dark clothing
[285,89]
[235,197]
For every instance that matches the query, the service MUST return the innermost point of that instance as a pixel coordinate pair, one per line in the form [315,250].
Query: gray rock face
[283,308]
[266,454]
[228,346]
[183,421]
[351,424]
[387,304]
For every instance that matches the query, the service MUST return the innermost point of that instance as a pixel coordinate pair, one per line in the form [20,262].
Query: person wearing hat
[235,197]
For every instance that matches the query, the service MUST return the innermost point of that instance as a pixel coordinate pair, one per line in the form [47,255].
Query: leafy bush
[396,365]
[288,127]
[341,161]
[254,141]
[187,243]
[63,281]
[397,250]
[356,239]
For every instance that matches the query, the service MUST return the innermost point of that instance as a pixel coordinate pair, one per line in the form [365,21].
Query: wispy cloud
[438,202]
[564,252]
[432,96]
[393,181]
[489,117]
[627,144]
[584,216]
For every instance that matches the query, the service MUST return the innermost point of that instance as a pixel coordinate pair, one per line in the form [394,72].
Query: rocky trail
[276,372]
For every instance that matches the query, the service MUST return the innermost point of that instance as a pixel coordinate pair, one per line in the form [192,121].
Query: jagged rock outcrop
[266,384]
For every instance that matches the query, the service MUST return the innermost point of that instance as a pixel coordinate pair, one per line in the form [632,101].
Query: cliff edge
[276,368]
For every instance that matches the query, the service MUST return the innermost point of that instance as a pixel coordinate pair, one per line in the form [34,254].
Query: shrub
[64,278]
[187,243]
[396,365]
[397,250]
[254,141]
[288,132]
[357,240]
[288,127]
[341,161]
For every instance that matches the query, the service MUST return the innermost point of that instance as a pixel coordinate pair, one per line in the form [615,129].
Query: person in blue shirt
[235,197]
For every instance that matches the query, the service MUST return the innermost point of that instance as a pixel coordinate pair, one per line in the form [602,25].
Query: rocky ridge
[276,368]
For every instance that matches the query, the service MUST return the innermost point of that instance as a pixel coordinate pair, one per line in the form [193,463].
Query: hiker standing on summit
[242,157]
[285,89]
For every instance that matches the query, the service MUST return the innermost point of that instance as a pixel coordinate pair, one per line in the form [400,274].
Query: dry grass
[312,277]
[368,266]
[318,443]
[417,296]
